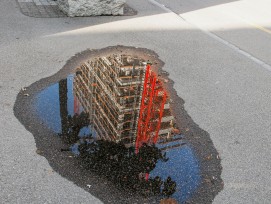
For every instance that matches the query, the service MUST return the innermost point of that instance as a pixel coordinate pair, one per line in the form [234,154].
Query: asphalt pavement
[216,52]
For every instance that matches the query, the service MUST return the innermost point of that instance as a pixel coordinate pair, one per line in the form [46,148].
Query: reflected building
[125,100]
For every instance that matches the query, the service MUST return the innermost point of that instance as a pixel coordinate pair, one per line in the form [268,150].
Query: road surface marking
[250,22]
[221,40]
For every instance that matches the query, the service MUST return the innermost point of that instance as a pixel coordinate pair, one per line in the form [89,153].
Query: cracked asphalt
[216,52]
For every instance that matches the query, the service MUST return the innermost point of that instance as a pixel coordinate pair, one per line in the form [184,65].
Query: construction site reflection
[125,100]
[115,114]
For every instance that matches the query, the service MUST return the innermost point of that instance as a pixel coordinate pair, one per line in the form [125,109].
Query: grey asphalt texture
[226,93]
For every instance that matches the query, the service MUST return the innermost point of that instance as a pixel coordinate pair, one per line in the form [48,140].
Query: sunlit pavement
[217,53]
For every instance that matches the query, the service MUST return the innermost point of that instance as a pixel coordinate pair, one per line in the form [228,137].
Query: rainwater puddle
[111,122]
[81,110]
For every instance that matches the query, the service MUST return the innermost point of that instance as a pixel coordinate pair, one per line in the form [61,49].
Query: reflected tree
[70,125]
[169,187]
[121,165]
[126,168]
[73,126]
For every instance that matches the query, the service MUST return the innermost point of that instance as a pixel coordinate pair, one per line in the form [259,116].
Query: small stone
[209,157]
[207,180]
[50,171]
[38,151]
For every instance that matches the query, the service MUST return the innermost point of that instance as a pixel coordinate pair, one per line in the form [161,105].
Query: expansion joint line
[217,38]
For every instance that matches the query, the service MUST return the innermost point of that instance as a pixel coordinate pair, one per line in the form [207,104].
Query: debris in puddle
[209,157]
[26,94]
[88,185]
[208,181]
[38,151]
[176,131]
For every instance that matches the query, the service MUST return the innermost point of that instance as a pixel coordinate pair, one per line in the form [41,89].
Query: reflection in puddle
[107,112]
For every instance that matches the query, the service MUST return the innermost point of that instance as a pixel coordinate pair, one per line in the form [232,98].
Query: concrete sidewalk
[226,93]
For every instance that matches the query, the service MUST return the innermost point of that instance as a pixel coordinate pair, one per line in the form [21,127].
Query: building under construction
[124,98]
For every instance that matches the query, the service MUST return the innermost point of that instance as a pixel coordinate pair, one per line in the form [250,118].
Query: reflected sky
[182,166]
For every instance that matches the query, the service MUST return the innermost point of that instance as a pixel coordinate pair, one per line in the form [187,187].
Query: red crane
[153,100]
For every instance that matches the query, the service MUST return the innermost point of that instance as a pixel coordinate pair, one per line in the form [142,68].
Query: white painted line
[237,49]
[219,39]
[161,6]
[25,1]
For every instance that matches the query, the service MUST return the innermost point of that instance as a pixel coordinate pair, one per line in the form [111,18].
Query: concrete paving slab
[40,8]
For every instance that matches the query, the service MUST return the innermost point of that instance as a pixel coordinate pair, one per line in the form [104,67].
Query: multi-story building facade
[124,98]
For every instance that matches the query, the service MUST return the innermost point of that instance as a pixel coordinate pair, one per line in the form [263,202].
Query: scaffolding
[124,98]
[112,86]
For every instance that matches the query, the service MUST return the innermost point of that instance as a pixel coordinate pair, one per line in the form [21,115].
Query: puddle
[113,117]
[182,165]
